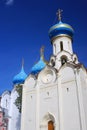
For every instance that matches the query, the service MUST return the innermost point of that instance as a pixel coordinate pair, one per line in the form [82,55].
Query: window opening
[48,93]
[67,89]
[63,60]
[52,62]
[54,48]
[61,46]
[6,102]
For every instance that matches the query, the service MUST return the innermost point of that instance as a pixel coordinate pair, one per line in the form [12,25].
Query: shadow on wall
[18,122]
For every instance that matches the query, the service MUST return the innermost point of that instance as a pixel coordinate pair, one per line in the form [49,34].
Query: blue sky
[24,26]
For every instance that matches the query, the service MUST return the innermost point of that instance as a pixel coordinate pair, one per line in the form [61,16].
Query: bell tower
[61,36]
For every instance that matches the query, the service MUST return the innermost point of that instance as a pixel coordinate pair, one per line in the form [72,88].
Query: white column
[23,109]
[37,106]
[80,101]
[60,104]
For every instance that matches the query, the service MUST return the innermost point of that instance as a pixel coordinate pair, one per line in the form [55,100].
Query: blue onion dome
[20,78]
[60,29]
[40,64]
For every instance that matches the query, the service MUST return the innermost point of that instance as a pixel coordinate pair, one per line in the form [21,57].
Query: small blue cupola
[20,78]
[40,64]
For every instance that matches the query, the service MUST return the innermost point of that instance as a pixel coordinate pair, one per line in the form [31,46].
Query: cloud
[9,2]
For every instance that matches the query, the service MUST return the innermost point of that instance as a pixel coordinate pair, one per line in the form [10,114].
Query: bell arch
[63,59]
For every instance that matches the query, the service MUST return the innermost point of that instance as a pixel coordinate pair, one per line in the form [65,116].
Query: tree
[18,101]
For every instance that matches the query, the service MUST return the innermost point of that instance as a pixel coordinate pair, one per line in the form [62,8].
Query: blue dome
[38,67]
[60,29]
[20,78]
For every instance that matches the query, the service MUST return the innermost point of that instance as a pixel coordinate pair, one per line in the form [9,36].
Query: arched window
[63,60]
[6,102]
[54,48]
[52,62]
[50,125]
[61,46]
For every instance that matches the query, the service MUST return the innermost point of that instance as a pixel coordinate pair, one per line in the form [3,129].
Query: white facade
[8,102]
[10,109]
[58,93]
[5,100]
[14,120]
[60,97]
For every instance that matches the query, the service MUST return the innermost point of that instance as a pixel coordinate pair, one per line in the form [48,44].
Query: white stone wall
[10,109]
[14,121]
[67,44]
[5,100]
[48,106]
[83,78]
[69,100]
[59,98]
[28,120]
[39,100]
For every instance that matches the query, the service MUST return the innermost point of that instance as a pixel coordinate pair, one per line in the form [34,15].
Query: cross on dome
[22,62]
[42,51]
[59,14]
[20,77]
[60,28]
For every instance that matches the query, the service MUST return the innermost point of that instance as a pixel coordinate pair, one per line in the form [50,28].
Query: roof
[20,78]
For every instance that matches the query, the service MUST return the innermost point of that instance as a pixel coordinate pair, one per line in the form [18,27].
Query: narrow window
[55,48]
[6,102]
[48,93]
[61,46]
[68,45]
[67,89]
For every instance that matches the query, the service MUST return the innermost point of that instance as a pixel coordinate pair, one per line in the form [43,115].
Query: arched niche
[48,122]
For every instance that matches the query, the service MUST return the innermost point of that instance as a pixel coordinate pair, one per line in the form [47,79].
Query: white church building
[55,93]
[7,103]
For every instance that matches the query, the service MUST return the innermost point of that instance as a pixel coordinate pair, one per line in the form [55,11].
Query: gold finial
[42,51]
[42,54]
[22,62]
[59,14]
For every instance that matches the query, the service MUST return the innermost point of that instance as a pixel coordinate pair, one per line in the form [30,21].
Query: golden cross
[42,51]
[59,14]
[22,62]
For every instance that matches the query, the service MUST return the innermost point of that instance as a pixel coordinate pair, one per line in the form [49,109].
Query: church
[10,117]
[55,93]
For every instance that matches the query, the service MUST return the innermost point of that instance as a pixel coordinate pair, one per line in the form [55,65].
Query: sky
[24,26]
